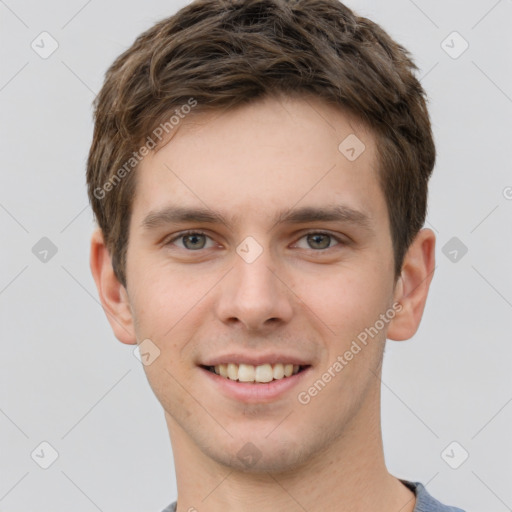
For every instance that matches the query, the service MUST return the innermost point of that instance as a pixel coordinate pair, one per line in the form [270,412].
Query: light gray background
[66,380]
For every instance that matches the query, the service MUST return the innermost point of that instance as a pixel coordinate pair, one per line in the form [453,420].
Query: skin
[297,297]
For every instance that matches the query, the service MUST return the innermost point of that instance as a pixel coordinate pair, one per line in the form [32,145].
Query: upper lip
[255,359]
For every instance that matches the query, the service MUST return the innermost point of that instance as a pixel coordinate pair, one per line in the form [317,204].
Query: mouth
[260,374]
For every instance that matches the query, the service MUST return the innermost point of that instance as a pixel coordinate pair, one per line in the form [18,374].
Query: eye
[319,241]
[191,240]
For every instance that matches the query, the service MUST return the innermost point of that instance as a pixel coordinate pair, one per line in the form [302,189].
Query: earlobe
[412,286]
[113,295]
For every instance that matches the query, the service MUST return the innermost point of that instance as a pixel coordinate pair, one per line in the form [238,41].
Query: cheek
[345,300]
[168,303]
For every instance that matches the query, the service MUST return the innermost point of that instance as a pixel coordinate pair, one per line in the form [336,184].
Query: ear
[113,295]
[412,286]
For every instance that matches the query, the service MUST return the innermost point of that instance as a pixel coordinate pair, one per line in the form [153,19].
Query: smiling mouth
[256,374]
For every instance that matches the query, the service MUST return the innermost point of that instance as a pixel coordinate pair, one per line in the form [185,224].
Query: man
[259,175]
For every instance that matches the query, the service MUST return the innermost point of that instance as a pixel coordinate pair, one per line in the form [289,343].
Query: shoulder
[425,502]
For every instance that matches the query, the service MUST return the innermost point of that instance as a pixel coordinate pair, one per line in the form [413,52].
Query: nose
[254,295]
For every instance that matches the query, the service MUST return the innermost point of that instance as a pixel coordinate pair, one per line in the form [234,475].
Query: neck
[350,475]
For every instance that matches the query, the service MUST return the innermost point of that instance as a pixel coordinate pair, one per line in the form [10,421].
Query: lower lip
[256,392]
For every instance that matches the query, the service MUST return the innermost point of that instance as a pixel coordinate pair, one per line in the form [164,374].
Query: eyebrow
[303,215]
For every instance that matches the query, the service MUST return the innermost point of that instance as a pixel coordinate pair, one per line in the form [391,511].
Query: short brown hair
[224,54]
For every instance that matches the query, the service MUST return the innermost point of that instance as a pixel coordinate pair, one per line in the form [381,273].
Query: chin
[253,454]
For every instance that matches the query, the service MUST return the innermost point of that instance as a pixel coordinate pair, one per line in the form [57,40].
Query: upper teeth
[261,373]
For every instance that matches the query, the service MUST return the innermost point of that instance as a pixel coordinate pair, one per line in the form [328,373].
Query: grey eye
[194,241]
[319,240]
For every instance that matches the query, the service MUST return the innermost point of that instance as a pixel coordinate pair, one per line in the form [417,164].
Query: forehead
[261,159]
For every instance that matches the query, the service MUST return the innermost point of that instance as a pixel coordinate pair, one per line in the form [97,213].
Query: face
[259,247]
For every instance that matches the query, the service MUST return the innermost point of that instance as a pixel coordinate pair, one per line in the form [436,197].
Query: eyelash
[198,232]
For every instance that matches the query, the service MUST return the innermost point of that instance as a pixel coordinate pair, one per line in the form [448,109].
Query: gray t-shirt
[424,502]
